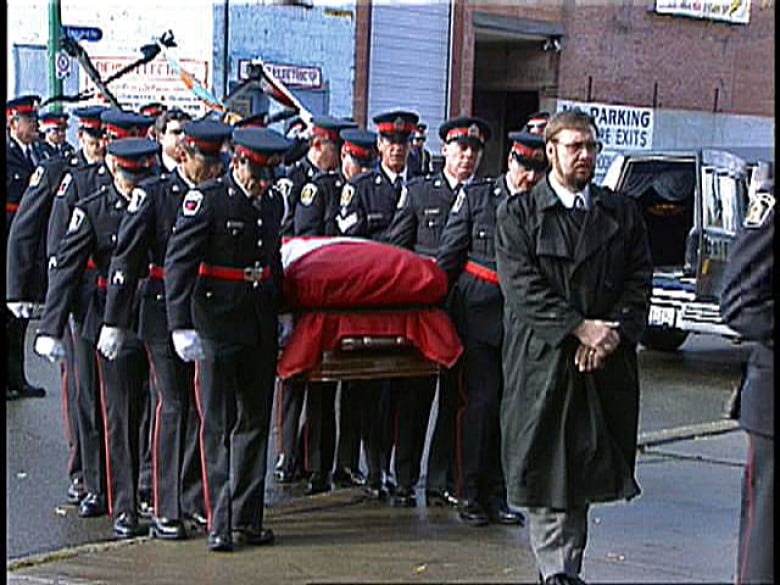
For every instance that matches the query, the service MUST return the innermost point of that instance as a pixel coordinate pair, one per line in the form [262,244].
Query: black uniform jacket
[220,227]
[140,249]
[18,171]
[318,205]
[747,305]
[302,172]
[367,206]
[469,237]
[569,437]
[75,186]
[26,277]
[419,221]
[91,233]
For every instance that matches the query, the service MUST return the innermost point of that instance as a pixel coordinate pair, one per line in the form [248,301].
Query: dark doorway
[505,111]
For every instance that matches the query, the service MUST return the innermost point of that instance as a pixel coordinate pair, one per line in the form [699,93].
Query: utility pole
[55,30]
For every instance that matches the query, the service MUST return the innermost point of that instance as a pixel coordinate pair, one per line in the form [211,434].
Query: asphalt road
[688,387]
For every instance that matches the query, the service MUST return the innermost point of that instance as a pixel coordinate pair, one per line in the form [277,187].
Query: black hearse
[694,202]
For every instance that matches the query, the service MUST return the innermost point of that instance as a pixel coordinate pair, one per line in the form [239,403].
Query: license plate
[661,316]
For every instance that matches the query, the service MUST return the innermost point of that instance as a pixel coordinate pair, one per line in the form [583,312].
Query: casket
[363,309]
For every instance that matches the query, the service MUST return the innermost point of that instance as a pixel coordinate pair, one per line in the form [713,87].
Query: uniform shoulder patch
[758,210]
[347,193]
[66,181]
[284,186]
[308,193]
[35,180]
[76,220]
[136,199]
[192,203]
[459,201]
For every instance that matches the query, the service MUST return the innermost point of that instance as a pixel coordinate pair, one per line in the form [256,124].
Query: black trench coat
[569,438]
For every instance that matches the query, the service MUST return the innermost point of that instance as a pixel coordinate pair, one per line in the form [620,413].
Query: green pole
[55,24]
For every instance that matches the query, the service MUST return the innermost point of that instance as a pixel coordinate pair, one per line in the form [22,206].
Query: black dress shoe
[376,492]
[168,529]
[441,498]
[76,491]
[318,484]
[346,477]
[502,514]
[198,521]
[473,513]
[284,469]
[92,505]
[30,391]
[145,505]
[563,579]
[404,498]
[255,536]
[220,542]
[127,526]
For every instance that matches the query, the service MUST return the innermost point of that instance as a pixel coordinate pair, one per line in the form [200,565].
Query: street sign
[83,33]
[62,65]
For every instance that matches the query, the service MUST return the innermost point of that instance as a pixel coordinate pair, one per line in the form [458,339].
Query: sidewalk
[683,529]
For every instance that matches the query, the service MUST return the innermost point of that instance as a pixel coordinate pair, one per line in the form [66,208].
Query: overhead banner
[732,11]
[156,81]
[621,128]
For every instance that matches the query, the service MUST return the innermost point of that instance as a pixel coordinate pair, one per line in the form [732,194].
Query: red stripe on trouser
[106,431]
[460,388]
[749,502]
[66,413]
[156,436]
[206,494]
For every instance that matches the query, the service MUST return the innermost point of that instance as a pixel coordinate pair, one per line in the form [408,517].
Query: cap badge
[399,124]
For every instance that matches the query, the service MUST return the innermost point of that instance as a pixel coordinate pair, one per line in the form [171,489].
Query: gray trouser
[558,539]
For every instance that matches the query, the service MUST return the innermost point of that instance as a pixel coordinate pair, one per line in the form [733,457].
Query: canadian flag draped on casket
[346,287]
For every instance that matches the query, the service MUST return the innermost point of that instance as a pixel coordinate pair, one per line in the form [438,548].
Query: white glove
[49,347]
[110,340]
[187,344]
[20,309]
[285,328]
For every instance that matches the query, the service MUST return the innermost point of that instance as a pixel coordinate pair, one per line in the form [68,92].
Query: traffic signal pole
[55,30]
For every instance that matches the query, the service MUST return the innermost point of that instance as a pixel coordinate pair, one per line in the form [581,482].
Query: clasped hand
[598,339]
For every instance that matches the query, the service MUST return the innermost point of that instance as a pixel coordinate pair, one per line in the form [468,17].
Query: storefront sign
[733,11]
[293,76]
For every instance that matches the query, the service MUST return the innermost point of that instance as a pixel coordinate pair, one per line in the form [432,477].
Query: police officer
[315,215]
[467,254]
[748,306]
[22,155]
[366,208]
[153,110]
[26,280]
[54,126]
[417,225]
[223,281]
[168,128]
[322,156]
[419,161]
[141,245]
[92,233]
[105,125]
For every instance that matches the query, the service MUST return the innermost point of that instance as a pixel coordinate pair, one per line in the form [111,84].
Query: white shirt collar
[169,163]
[391,175]
[566,196]
[453,182]
[183,177]
[240,186]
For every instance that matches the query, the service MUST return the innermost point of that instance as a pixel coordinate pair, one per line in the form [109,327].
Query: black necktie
[398,186]
[29,155]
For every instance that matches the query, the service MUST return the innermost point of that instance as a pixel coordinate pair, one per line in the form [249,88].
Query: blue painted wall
[294,35]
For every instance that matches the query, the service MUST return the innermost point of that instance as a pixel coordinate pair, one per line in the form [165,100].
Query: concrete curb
[685,432]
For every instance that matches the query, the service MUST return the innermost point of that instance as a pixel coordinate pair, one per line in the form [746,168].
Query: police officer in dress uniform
[153,110]
[105,125]
[92,233]
[748,306]
[168,131]
[315,215]
[26,281]
[467,254]
[417,225]
[141,244]
[23,153]
[223,281]
[367,206]
[322,156]
[54,126]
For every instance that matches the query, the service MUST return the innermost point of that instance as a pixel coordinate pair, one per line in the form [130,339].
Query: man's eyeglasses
[575,147]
